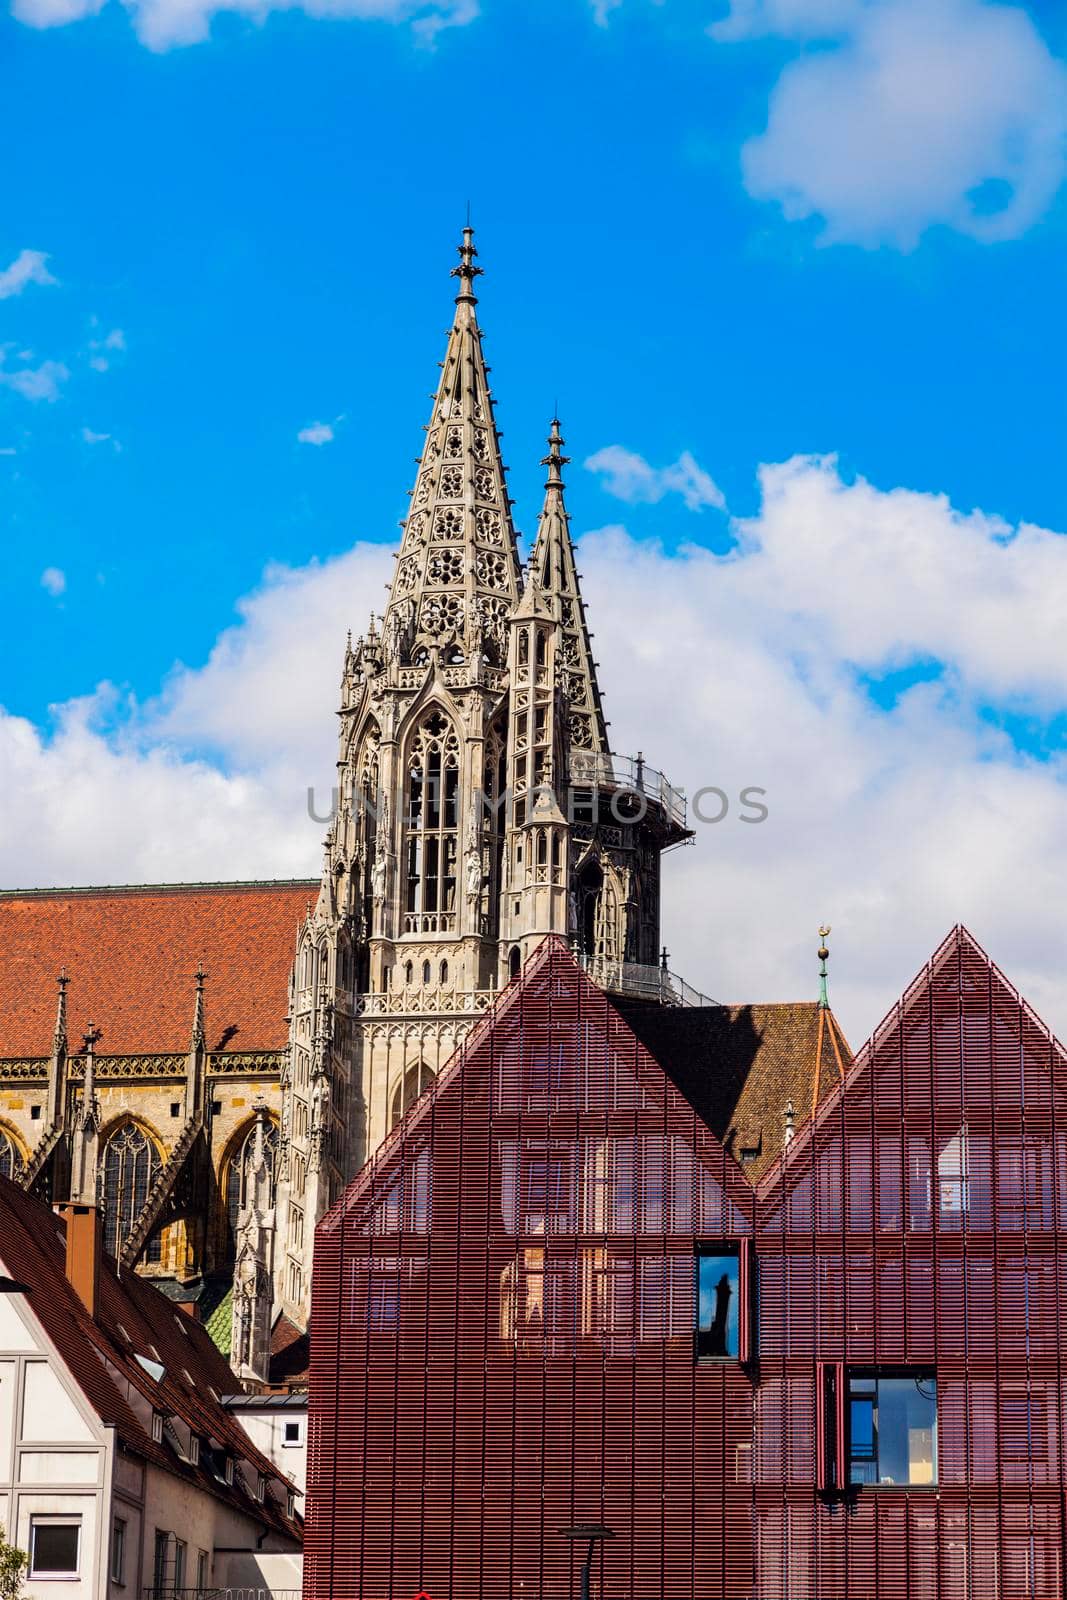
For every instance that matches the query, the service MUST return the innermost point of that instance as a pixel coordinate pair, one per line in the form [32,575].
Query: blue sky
[750,232]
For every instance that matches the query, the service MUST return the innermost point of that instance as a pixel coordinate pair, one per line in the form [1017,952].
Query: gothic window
[415,1080]
[367,803]
[131,1165]
[239,1172]
[493,819]
[444,972]
[432,818]
[12,1164]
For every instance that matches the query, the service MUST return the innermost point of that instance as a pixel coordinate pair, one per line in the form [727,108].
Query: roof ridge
[158,888]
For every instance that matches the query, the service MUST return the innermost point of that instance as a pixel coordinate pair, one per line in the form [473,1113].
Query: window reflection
[718,1303]
[892,1429]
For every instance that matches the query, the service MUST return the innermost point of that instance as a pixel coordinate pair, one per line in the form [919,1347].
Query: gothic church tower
[480,808]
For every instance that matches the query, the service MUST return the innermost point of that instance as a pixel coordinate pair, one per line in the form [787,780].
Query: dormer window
[194,1449]
[158,1420]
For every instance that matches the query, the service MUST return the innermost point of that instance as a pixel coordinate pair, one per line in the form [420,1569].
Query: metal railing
[642,983]
[611,771]
[211,1592]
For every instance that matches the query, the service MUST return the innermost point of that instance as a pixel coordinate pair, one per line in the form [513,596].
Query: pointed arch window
[12,1164]
[368,800]
[239,1172]
[415,1080]
[432,820]
[131,1164]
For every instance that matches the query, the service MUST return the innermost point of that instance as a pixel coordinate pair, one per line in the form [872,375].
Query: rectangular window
[179,1564]
[723,1302]
[159,1559]
[54,1546]
[118,1551]
[201,1570]
[292,1433]
[892,1428]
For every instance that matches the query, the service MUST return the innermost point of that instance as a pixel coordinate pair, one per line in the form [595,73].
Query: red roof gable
[131,954]
[134,1319]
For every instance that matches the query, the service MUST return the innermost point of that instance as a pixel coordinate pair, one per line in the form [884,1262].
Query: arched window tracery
[239,1171]
[432,824]
[131,1163]
[415,1081]
[12,1160]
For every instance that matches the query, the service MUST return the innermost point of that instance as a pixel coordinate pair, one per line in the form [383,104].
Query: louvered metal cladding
[915,1225]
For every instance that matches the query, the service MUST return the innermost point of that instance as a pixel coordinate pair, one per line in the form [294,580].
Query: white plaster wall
[266,1429]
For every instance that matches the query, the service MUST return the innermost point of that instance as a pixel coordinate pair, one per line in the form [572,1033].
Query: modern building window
[892,1428]
[55,1547]
[722,1314]
[131,1162]
[118,1551]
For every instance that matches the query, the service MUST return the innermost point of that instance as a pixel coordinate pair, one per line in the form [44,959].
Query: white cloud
[163,24]
[602,10]
[629,477]
[745,669]
[102,349]
[34,383]
[29,266]
[54,580]
[913,113]
[94,438]
[316,433]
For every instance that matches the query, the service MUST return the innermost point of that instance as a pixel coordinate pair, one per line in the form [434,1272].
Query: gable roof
[133,1319]
[570,993]
[741,1066]
[131,954]
[959,981]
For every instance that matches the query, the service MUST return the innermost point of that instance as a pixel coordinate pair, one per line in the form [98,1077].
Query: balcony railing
[643,983]
[610,771]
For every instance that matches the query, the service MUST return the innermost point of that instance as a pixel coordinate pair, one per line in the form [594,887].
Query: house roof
[131,954]
[133,1319]
[741,1066]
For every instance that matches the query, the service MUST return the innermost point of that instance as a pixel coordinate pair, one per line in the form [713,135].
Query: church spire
[457,574]
[553,579]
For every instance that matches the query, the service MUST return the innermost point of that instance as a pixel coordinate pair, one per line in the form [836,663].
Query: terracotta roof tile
[131,954]
[101,1356]
[739,1066]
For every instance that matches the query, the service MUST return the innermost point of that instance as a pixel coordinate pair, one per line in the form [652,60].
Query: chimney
[84,1234]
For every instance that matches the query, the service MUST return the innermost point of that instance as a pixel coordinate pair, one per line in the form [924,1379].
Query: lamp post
[593,1532]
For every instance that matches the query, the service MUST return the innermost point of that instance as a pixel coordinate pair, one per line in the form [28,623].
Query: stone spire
[457,574]
[59,1037]
[86,1140]
[553,578]
[196,1041]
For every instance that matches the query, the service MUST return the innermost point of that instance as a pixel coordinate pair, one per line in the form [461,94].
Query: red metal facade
[505,1303]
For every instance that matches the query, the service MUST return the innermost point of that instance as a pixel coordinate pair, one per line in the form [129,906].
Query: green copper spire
[824,954]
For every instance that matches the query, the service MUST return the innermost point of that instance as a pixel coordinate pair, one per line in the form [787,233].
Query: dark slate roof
[134,1319]
[131,954]
[740,1066]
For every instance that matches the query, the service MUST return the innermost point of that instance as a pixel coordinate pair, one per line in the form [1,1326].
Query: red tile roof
[133,1319]
[131,954]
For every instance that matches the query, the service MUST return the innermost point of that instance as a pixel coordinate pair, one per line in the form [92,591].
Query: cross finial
[824,956]
[555,460]
[466,272]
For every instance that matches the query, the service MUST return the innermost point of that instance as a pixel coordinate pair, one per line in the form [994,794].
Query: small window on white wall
[55,1546]
[293,1433]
